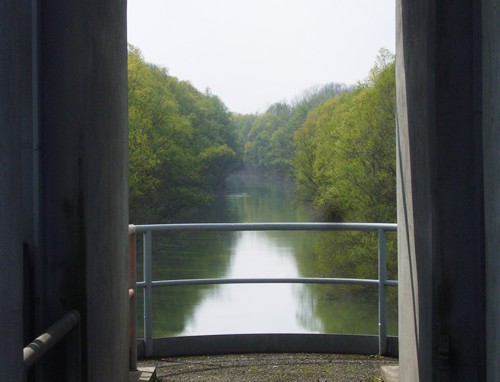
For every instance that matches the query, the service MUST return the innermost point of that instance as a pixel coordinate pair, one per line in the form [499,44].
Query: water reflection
[271,308]
[251,308]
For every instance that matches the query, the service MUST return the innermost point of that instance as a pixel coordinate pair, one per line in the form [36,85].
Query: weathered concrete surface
[285,367]
[491,143]
[390,373]
[143,374]
[413,81]
[442,325]
[15,109]
[63,206]
[84,164]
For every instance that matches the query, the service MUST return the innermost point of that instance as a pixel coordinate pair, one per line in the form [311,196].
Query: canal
[253,308]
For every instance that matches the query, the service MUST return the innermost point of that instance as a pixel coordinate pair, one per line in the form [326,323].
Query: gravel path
[270,367]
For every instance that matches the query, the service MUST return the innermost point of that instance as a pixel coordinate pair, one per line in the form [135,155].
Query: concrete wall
[442,257]
[15,109]
[415,95]
[77,257]
[84,165]
[491,142]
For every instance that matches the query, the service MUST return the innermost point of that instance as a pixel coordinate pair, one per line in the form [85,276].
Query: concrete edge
[143,374]
[390,373]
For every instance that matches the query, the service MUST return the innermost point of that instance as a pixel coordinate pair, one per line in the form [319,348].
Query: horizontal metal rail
[42,344]
[149,283]
[267,227]
[293,280]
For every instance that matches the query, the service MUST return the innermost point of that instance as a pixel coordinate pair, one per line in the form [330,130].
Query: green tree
[345,165]
[269,145]
[181,142]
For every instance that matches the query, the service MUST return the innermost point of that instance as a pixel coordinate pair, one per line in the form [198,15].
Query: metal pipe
[382,297]
[268,227]
[132,281]
[148,293]
[292,280]
[36,349]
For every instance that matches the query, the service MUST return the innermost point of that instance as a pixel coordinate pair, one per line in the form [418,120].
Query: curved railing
[262,342]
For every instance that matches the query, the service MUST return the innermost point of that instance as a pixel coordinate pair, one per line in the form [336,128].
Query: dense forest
[267,140]
[345,166]
[336,142]
[182,143]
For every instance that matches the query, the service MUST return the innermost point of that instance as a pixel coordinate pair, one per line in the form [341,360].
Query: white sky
[252,53]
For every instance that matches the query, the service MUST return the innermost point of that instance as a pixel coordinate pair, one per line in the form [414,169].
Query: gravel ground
[270,367]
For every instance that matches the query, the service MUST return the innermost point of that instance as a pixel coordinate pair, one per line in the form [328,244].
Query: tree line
[267,140]
[181,143]
[336,142]
[345,166]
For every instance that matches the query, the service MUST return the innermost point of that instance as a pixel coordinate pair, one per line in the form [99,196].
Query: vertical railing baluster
[148,293]
[382,297]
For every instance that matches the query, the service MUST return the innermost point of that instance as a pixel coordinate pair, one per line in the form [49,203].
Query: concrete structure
[448,189]
[63,182]
[13,107]
[63,185]
[491,166]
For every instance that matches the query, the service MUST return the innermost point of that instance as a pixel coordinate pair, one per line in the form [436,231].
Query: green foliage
[345,166]
[345,156]
[269,144]
[264,147]
[181,143]
[242,124]
[337,142]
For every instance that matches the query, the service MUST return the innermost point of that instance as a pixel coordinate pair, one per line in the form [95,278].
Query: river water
[250,308]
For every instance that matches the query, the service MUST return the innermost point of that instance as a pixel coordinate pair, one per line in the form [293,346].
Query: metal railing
[46,341]
[148,284]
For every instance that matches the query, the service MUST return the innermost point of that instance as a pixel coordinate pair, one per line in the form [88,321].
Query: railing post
[132,291]
[382,298]
[148,294]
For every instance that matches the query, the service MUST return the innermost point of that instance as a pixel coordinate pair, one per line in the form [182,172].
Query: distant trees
[345,151]
[268,138]
[337,142]
[181,143]
[345,165]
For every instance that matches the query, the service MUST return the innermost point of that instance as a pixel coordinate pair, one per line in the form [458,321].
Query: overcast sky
[253,53]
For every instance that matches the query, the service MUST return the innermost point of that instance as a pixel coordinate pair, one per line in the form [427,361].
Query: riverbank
[271,367]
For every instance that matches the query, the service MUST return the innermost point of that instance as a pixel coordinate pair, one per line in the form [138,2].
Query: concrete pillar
[491,142]
[440,191]
[84,166]
[15,111]
[414,177]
